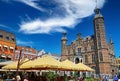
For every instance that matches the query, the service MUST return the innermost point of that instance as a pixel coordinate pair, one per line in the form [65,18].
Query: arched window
[77,61]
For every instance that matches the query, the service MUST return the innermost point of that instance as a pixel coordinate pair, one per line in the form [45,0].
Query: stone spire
[111,41]
[79,36]
[64,38]
[97,11]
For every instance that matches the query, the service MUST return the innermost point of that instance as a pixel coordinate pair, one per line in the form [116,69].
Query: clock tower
[64,40]
[101,46]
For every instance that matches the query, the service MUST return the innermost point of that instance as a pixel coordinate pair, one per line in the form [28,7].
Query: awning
[3,56]
[5,46]
[11,47]
[9,56]
[13,66]
[5,63]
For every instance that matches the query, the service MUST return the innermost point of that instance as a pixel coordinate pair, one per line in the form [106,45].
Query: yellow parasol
[69,65]
[85,67]
[13,66]
[46,62]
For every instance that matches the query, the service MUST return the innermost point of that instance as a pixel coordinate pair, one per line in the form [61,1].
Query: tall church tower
[101,46]
[64,40]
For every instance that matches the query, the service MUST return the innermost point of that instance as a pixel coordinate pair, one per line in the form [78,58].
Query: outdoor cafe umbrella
[13,66]
[45,62]
[27,65]
[70,66]
[85,67]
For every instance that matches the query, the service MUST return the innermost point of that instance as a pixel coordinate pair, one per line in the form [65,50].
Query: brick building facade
[9,50]
[27,52]
[93,50]
[118,63]
[7,45]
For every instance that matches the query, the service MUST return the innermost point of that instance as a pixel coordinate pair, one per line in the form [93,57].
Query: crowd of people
[32,76]
[115,77]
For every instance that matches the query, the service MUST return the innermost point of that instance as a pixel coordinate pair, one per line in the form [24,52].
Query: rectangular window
[1,36]
[97,27]
[86,59]
[92,48]
[93,58]
[22,49]
[101,57]
[5,48]
[68,51]
[13,39]
[26,50]
[7,37]
[30,50]
[11,50]
[98,36]
[99,44]
[85,49]
[79,51]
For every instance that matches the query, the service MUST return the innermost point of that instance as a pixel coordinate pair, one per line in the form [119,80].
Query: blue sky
[40,23]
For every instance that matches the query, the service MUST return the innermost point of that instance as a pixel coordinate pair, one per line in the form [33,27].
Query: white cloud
[4,26]
[20,42]
[32,3]
[74,11]
[50,25]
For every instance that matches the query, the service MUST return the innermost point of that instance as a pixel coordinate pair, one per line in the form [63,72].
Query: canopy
[5,63]
[13,65]
[85,67]
[46,62]
[69,65]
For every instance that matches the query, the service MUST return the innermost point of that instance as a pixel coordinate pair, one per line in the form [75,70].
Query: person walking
[115,78]
[119,77]
[18,78]
[106,78]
